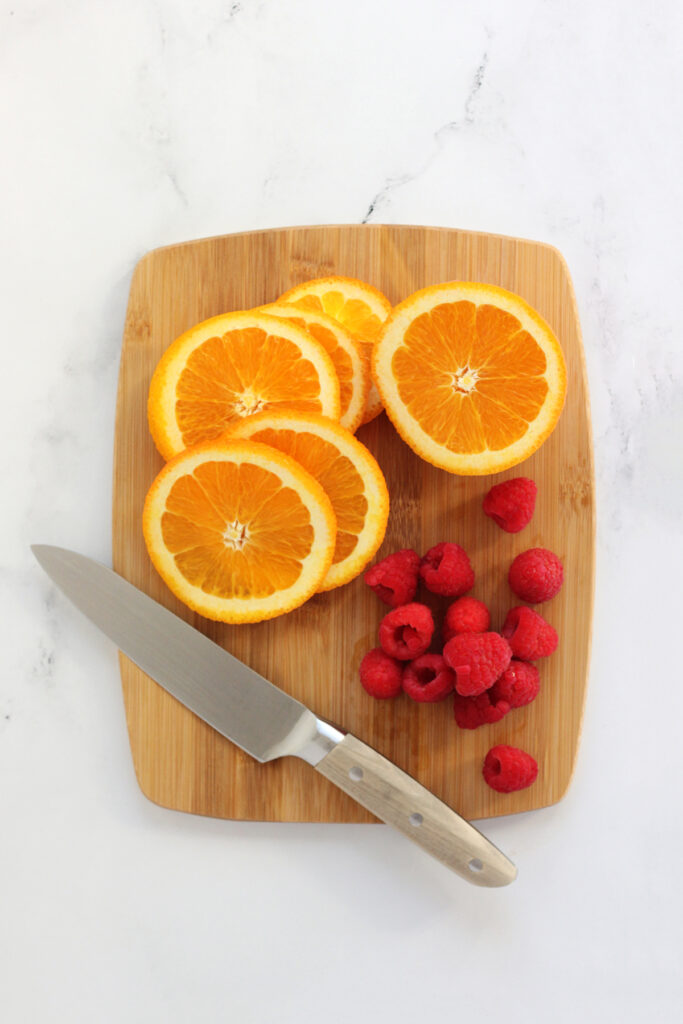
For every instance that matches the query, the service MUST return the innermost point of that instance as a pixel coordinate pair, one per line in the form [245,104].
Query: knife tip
[47,555]
[39,551]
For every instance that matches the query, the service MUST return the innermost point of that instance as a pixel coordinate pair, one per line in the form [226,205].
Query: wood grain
[314,652]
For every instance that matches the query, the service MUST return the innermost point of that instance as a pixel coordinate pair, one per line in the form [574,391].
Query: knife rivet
[356,773]
[475,864]
[415,820]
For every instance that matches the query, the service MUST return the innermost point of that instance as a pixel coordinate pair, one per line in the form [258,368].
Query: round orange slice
[233,366]
[471,376]
[350,365]
[347,472]
[238,531]
[358,306]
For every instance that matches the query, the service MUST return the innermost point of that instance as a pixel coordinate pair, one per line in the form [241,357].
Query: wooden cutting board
[314,652]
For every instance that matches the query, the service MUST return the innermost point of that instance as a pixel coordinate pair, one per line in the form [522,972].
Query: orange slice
[238,531]
[230,367]
[471,376]
[345,469]
[350,365]
[358,306]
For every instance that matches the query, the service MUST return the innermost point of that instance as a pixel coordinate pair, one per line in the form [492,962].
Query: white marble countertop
[130,125]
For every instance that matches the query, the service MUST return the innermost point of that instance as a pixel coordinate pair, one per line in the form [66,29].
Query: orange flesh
[336,475]
[340,358]
[471,376]
[354,314]
[242,372]
[236,531]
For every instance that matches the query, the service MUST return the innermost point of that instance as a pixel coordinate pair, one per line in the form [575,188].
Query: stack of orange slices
[267,497]
[350,363]
[358,307]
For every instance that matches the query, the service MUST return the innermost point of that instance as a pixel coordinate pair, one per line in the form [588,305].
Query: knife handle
[399,800]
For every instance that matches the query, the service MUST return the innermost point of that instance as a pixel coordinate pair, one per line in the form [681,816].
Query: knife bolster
[325,739]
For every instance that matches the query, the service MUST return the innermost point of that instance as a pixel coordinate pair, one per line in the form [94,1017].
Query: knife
[263,720]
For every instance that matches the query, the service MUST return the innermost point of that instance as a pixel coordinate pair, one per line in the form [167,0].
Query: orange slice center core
[235,535]
[464,379]
[248,402]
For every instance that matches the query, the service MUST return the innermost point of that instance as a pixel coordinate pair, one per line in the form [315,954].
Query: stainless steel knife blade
[263,720]
[239,703]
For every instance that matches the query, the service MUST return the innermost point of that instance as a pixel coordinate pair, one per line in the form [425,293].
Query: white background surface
[128,125]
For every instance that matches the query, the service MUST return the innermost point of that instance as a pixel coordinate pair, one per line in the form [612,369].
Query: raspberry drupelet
[394,579]
[507,769]
[380,675]
[511,504]
[528,634]
[406,632]
[536,575]
[484,709]
[446,570]
[466,615]
[518,685]
[477,659]
[428,679]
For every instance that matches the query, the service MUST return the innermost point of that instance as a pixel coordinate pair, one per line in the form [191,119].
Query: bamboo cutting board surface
[313,653]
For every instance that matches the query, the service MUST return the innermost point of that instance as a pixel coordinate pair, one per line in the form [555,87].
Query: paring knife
[262,719]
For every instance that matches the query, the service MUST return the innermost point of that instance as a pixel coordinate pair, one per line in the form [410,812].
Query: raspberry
[466,615]
[536,575]
[446,570]
[406,632]
[394,579]
[428,679]
[518,685]
[528,634]
[508,768]
[477,660]
[511,504]
[380,675]
[471,712]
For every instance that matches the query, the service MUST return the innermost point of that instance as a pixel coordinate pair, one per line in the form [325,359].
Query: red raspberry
[407,632]
[477,660]
[380,675]
[394,579]
[428,679]
[518,685]
[471,712]
[466,615]
[536,575]
[528,634]
[511,504]
[508,768]
[446,570]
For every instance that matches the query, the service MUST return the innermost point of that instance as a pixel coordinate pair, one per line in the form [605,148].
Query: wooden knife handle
[401,801]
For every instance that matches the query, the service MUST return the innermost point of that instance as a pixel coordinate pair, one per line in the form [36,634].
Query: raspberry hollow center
[409,636]
[425,675]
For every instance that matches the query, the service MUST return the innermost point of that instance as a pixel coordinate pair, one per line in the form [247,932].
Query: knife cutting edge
[263,720]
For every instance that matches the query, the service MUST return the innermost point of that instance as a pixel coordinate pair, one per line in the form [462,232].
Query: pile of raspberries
[488,674]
